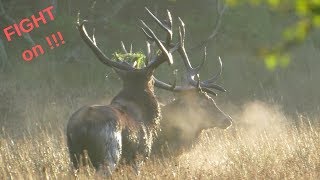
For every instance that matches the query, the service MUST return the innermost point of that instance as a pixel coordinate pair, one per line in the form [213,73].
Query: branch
[286,45]
[115,10]
[214,33]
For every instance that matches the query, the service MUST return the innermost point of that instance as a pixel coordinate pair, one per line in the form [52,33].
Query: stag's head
[133,75]
[195,94]
[203,109]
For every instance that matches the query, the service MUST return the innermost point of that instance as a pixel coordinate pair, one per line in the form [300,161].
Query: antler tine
[182,50]
[93,37]
[183,30]
[180,47]
[149,55]
[192,74]
[171,45]
[169,19]
[175,88]
[169,87]
[215,77]
[210,83]
[164,85]
[146,34]
[197,84]
[170,33]
[123,47]
[201,88]
[131,49]
[101,56]
[164,51]
[163,26]
[167,26]
[204,59]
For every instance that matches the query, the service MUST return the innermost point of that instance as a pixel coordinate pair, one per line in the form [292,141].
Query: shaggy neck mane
[143,100]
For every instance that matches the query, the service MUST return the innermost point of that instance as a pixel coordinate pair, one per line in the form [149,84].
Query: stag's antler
[192,73]
[121,65]
[153,62]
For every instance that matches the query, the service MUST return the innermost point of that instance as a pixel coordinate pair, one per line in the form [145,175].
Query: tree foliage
[307,14]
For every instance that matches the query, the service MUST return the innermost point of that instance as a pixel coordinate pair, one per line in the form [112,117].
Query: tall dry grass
[261,145]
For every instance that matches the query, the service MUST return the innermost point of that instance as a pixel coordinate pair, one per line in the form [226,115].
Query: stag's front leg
[144,149]
[131,142]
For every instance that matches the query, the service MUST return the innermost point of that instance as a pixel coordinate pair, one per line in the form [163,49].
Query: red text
[28,24]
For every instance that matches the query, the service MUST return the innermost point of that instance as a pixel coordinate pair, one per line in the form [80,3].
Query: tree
[307,14]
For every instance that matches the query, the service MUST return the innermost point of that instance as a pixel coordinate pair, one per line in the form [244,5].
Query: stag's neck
[183,116]
[141,105]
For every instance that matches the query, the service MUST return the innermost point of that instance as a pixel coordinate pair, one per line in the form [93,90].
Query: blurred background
[270,52]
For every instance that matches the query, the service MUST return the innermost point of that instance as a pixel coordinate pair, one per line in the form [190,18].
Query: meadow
[276,127]
[262,145]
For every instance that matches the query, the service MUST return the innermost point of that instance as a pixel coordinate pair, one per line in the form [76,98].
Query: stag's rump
[96,130]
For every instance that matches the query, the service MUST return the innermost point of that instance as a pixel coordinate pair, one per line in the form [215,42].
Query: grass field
[261,145]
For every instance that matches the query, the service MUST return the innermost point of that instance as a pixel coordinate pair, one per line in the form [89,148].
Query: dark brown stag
[193,110]
[124,129]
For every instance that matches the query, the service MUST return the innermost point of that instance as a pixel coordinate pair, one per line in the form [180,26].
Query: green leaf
[302,7]
[271,61]
[316,20]
[289,34]
[284,60]
[301,29]
[274,3]
[232,2]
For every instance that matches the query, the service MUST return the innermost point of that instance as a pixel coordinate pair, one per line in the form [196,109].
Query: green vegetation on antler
[137,59]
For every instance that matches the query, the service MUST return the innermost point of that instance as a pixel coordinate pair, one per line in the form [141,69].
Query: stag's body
[123,129]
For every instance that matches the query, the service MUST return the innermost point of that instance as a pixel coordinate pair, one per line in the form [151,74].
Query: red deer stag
[124,129]
[193,110]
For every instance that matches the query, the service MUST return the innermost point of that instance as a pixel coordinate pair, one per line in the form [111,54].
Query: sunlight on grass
[261,144]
